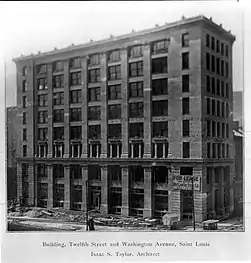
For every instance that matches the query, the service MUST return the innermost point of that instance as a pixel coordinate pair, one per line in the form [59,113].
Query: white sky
[29,27]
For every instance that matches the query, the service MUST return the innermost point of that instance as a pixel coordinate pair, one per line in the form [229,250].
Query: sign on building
[184,182]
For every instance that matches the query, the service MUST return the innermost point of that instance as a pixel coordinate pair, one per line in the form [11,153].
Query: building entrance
[186,204]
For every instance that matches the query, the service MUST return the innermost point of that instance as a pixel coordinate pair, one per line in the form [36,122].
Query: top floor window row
[58,66]
[75,63]
[25,71]
[216,45]
[41,69]
[114,56]
[185,40]
[94,59]
[160,46]
[135,51]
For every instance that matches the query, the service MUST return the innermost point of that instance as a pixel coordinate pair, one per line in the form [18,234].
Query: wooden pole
[193,204]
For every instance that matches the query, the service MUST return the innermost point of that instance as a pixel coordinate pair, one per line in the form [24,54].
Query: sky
[29,27]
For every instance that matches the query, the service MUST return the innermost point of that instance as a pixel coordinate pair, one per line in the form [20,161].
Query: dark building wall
[13,137]
[238,183]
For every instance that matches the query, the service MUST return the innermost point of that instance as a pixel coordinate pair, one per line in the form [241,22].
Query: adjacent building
[138,117]
[13,136]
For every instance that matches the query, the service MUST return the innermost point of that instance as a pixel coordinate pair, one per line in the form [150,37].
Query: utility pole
[86,186]
[193,203]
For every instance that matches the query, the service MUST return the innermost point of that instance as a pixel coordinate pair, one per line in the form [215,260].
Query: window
[214,151]
[58,81]
[42,100]
[208,150]
[75,78]
[185,40]
[222,49]
[58,133]
[94,75]
[24,117]
[94,113]
[94,59]
[223,150]
[186,150]
[25,85]
[186,170]
[24,134]
[114,72]
[226,69]
[208,128]
[58,98]
[75,63]
[160,129]
[114,112]
[227,90]
[114,56]
[208,61]
[222,89]
[41,69]
[185,106]
[160,46]
[218,66]
[58,66]
[218,108]
[218,129]
[75,114]
[42,134]
[213,129]
[136,69]
[75,96]
[185,60]
[217,46]
[136,110]
[227,51]
[76,133]
[223,129]
[213,86]
[223,109]
[185,83]
[25,71]
[42,84]
[42,117]
[136,130]
[159,65]
[42,170]
[186,128]
[135,51]
[160,108]
[213,63]
[222,68]
[212,43]
[24,102]
[208,41]
[94,132]
[114,92]
[227,150]
[58,115]
[208,83]
[114,131]
[213,107]
[219,150]
[94,94]
[24,150]
[227,130]
[218,87]
[208,106]
[136,89]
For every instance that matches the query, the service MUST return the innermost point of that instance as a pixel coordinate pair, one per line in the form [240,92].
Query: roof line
[121,37]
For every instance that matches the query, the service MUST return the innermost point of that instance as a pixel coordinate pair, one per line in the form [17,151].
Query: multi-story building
[138,116]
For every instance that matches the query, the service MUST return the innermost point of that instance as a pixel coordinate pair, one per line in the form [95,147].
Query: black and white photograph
[124,117]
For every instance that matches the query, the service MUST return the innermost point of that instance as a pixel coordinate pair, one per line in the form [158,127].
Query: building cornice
[113,39]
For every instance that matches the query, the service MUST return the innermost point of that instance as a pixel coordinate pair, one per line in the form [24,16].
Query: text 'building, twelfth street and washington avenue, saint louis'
[137,116]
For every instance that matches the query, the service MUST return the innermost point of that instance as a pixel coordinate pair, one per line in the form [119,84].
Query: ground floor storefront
[133,189]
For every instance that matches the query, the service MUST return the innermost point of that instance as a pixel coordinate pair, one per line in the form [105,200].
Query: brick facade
[148,191]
